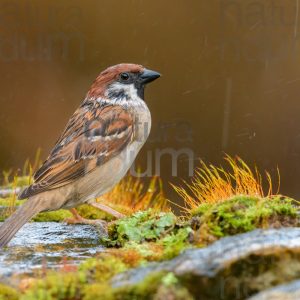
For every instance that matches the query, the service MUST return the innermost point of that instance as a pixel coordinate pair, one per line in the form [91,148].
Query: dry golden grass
[132,194]
[213,184]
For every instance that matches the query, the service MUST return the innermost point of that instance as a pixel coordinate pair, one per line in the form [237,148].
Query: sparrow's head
[123,82]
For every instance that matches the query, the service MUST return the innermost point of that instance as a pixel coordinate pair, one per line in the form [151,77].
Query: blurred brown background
[231,76]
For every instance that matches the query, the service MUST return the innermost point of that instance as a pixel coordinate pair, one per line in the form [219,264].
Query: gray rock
[232,268]
[290,291]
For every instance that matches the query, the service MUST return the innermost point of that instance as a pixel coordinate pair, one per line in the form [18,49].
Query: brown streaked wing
[90,139]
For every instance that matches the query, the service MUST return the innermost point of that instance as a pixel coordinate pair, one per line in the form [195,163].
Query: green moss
[141,291]
[92,213]
[243,213]
[103,268]
[140,227]
[53,216]
[201,209]
[156,286]
[57,286]
[86,211]
[174,243]
[96,291]
[90,280]
[149,236]
[143,252]
[8,293]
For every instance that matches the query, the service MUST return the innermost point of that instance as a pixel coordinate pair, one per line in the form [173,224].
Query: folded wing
[91,138]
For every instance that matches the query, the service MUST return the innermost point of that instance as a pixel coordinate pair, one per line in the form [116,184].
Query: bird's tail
[23,214]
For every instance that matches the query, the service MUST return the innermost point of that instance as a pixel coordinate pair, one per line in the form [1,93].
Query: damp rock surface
[48,244]
[290,291]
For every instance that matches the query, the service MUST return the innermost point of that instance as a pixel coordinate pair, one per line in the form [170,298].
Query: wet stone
[48,244]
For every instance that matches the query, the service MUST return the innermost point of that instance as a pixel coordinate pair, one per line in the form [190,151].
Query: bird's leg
[78,219]
[106,209]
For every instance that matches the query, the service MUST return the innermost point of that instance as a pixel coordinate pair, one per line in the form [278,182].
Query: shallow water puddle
[48,244]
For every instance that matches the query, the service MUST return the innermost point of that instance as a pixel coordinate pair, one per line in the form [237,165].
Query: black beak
[148,76]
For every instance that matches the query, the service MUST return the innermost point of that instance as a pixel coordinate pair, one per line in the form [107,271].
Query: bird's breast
[142,124]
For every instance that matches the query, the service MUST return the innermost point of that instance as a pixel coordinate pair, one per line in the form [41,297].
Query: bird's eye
[124,76]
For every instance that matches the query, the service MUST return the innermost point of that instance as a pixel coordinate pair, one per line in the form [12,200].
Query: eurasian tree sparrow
[96,149]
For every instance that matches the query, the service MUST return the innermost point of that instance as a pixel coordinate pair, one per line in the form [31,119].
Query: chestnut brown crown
[141,76]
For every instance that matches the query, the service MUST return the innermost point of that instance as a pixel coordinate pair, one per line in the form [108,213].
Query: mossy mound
[80,285]
[242,214]
[140,227]
[154,236]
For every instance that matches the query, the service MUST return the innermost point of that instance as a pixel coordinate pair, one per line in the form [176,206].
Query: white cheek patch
[123,94]
[128,89]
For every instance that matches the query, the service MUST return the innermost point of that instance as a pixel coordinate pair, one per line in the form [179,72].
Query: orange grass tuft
[131,195]
[213,184]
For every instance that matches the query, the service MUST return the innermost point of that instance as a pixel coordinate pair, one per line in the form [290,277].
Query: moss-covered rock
[242,214]
[152,236]
[234,267]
